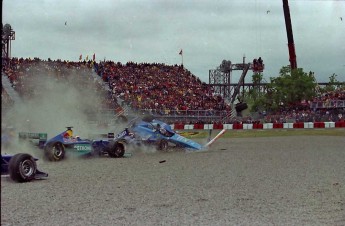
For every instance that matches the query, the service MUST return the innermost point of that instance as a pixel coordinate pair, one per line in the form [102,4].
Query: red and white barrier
[250,126]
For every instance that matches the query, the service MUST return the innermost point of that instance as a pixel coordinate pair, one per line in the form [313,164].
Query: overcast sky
[208,31]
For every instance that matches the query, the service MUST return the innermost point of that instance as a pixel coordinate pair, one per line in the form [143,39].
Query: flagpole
[181,53]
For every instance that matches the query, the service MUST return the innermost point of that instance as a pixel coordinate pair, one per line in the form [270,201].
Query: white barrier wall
[188,126]
[288,125]
[208,126]
[247,126]
[329,124]
[306,125]
[228,126]
[268,126]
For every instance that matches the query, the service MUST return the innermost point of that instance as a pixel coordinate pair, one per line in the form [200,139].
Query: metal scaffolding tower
[7,35]
[220,78]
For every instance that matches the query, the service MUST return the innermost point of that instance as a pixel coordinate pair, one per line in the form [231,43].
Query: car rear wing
[41,137]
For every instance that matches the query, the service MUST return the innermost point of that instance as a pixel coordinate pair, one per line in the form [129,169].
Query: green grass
[269,133]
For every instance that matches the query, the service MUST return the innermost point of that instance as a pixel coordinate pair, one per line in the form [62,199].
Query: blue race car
[55,148]
[160,134]
[21,167]
[139,132]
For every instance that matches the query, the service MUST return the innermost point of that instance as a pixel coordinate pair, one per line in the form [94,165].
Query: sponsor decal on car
[82,147]
[123,133]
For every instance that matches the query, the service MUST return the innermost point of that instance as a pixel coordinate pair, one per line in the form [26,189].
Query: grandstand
[158,89]
[165,91]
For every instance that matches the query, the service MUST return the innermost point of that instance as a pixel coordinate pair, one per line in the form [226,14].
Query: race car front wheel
[22,168]
[116,150]
[54,151]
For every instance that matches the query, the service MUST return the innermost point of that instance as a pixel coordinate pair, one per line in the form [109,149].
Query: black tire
[54,151]
[116,150]
[22,168]
[163,145]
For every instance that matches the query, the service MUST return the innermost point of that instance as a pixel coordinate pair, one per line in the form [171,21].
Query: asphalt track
[294,180]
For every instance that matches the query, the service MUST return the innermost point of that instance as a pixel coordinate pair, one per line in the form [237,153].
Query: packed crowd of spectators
[338,94]
[320,115]
[156,87]
[159,87]
[22,73]
[164,89]
[332,99]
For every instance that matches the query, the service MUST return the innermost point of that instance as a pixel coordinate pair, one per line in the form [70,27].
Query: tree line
[289,89]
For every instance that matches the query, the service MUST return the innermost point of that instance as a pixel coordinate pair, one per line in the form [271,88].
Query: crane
[291,44]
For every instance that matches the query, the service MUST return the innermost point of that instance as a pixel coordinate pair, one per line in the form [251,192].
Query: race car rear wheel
[22,168]
[162,145]
[54,151]
[116,150]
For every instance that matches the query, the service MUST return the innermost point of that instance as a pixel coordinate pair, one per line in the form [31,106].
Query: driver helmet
[68,133]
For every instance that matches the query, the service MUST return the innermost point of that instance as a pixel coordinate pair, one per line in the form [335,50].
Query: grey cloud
[155,30]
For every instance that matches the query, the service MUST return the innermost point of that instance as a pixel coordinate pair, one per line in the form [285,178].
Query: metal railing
[327,104]
[109,116]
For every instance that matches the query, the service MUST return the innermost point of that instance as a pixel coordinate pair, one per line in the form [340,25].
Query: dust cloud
[51,104]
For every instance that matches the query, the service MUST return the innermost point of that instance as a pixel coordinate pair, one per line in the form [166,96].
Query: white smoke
[56,104]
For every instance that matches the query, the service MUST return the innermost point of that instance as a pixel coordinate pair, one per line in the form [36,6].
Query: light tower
[7,35]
